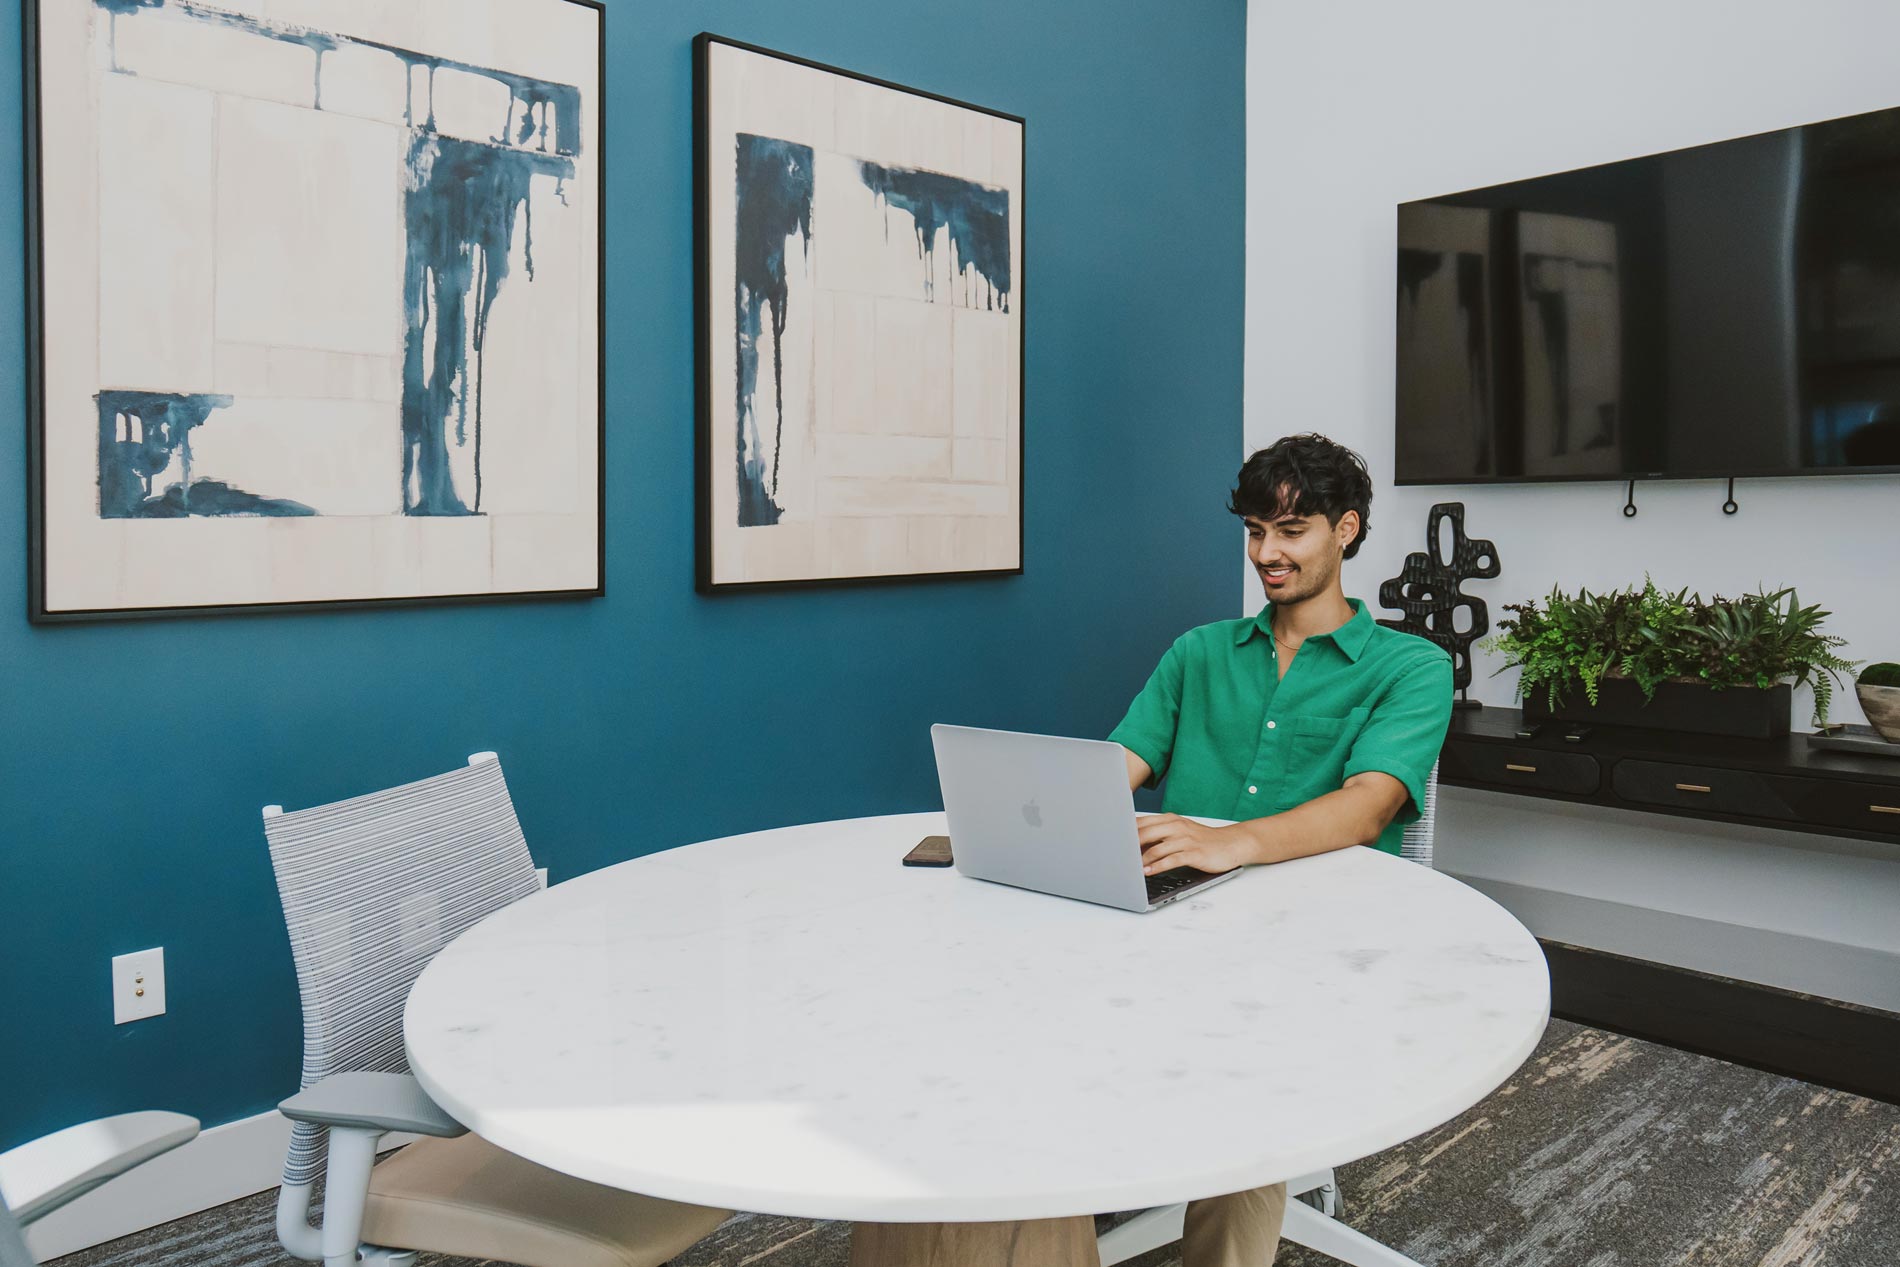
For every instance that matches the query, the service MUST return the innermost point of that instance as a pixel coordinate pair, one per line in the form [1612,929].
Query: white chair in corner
[44,1174]
[372,888]
[1313,1207]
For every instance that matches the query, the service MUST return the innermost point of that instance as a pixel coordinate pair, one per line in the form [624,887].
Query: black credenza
[1765,782]
[1779,783]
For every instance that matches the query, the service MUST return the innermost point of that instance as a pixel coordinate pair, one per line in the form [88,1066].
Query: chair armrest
[38,1177]
[371,1101]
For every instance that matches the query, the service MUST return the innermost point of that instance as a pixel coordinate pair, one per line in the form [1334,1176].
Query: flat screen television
[1727,310]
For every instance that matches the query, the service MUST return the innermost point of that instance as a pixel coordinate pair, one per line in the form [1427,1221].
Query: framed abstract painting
[860,287]
[315,302]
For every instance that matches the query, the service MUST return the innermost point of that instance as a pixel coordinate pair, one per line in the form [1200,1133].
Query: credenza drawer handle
[1885,809]
[1692,787]
[1522,769]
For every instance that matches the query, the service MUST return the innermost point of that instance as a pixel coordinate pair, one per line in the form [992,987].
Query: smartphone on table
[931,851]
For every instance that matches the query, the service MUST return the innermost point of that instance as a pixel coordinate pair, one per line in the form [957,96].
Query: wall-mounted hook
[1629,507]
[1729,507]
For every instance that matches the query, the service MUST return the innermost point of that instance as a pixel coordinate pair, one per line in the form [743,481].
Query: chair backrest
[1417,844]
[13,1252]
[372,888]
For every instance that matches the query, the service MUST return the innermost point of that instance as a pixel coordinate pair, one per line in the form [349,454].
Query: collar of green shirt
[1350,637]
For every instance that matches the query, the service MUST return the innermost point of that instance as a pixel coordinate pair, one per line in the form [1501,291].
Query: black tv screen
[1731,309]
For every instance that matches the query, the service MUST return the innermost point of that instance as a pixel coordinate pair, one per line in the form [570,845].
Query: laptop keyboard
[1159,886]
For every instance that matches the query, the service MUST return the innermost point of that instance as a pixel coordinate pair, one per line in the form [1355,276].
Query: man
[1310,725]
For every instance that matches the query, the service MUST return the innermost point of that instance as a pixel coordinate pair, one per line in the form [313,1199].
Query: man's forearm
[1139,771]
[1350,816]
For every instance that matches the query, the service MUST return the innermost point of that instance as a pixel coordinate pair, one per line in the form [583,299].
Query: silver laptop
[1050,814]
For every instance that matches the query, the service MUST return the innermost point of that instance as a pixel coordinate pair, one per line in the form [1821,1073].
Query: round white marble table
[790,1022]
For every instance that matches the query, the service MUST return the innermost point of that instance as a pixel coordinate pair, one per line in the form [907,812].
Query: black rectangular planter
[1744,711]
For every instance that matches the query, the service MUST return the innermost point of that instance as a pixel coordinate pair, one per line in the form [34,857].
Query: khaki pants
[1241,1229]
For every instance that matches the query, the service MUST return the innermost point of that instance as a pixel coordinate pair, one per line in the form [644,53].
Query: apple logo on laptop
[1032,814]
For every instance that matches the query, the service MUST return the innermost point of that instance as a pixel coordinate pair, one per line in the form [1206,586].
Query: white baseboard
[1789,961]
[224,1163]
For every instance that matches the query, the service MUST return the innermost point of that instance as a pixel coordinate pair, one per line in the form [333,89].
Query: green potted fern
[1651,658]
[1879,689]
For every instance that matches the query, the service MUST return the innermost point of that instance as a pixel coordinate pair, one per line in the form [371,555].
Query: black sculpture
[1427,592]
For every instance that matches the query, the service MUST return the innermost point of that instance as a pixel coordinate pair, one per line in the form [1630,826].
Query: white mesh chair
[12,1247]
[1311,1213]
[44,1174]
[1417,844]
[372,888]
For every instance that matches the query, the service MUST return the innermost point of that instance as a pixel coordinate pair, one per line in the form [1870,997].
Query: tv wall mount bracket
[1729,506]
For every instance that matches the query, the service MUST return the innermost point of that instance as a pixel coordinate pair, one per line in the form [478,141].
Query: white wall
[1354,108]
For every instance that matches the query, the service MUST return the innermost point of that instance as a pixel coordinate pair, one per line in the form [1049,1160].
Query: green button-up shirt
[1236,740]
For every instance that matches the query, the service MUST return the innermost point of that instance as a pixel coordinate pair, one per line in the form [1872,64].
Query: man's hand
[1353,815]
[1169,841]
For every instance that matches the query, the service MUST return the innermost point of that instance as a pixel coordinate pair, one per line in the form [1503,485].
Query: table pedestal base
[1039,1243]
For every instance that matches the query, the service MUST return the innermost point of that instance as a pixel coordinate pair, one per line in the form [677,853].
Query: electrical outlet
[138,985]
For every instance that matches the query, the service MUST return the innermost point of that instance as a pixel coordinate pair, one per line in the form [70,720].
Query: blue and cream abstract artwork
[861,404]
[320,294]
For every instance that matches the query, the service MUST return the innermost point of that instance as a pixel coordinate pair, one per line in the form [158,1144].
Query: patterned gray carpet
[1602,1151]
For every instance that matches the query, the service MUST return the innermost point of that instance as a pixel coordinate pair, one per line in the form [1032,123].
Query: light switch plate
[142,970]
[541,874]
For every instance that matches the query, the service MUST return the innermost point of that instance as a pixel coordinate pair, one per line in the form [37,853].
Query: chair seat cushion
[466,1197]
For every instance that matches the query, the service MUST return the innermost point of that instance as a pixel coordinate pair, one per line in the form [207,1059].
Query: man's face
[1297,557]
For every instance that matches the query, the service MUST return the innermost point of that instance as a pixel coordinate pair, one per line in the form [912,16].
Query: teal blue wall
[134,756]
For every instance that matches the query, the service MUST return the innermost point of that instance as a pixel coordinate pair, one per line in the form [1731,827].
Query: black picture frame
[704,447]
[38,612]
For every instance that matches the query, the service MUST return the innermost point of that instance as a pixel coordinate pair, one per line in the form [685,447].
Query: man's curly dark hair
[1305,475]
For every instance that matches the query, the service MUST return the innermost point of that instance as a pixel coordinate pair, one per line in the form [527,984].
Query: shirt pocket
[1317,750]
